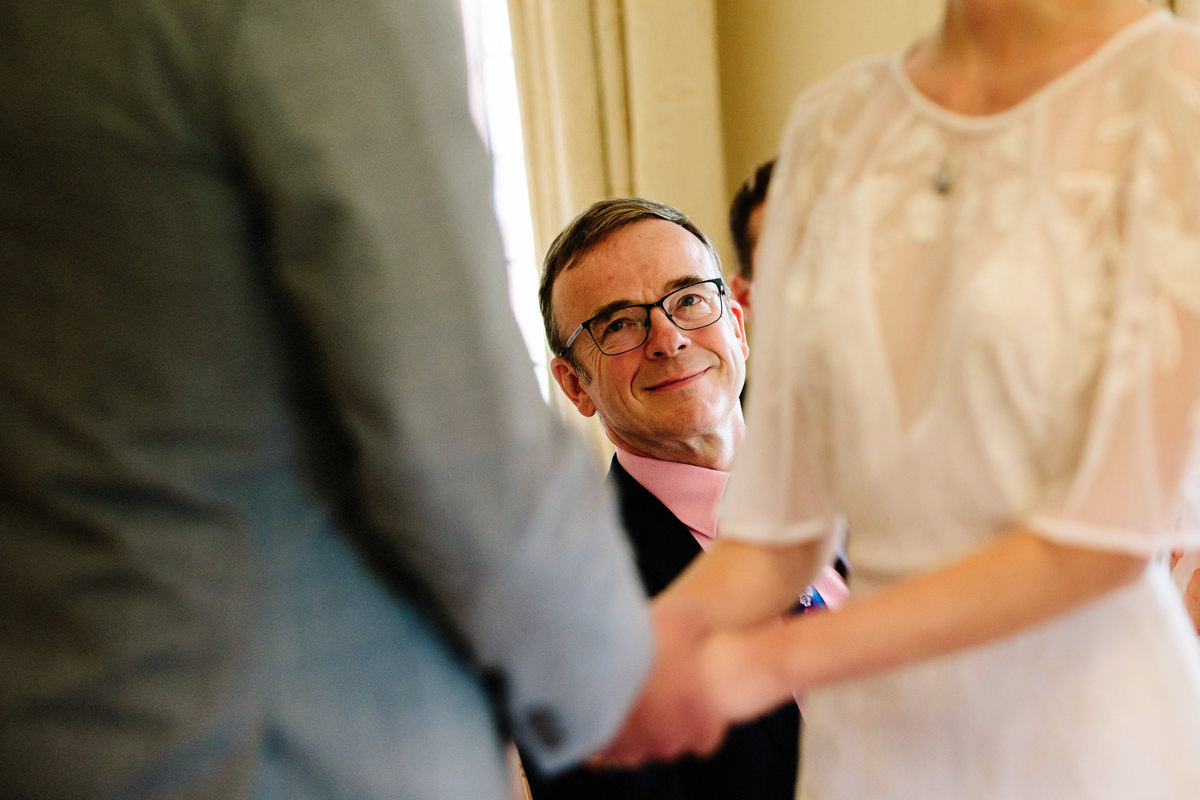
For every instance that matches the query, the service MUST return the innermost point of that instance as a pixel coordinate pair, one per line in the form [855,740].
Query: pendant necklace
[943,180]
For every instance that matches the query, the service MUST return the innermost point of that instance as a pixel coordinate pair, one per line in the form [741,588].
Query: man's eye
[615,326]
[689,300]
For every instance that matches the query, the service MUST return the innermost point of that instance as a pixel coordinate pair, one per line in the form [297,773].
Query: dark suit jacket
[757,761]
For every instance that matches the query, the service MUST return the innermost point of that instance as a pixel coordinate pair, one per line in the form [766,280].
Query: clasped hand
[703,680]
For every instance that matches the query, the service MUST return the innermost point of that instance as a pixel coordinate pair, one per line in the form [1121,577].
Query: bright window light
[497,113]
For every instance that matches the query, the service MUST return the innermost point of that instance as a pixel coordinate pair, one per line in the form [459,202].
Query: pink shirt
[693,494]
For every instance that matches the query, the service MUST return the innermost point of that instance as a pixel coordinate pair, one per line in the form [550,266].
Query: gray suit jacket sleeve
[351,118]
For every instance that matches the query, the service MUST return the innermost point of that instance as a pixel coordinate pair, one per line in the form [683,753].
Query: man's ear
[739,289]
[572,385]
[738,318]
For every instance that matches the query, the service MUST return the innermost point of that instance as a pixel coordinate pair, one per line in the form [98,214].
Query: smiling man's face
[676,396]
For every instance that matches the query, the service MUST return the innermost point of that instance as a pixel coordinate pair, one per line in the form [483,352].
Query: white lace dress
[1019,349]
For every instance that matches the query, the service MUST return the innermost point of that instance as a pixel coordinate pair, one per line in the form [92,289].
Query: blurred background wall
[771,50]
[676,100]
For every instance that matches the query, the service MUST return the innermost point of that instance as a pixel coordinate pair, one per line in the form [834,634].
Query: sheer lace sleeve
[779,490]
[1131,489]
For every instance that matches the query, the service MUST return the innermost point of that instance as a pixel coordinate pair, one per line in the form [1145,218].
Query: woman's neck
[988,55]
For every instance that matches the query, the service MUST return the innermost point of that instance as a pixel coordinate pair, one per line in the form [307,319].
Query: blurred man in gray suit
[281,511]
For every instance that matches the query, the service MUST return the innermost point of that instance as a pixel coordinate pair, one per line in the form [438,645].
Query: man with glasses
[647,337]
[666,390]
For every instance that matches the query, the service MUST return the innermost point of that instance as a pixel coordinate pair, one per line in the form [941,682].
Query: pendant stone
[943,181]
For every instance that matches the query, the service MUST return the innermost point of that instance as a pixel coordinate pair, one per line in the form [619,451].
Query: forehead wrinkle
[670,286]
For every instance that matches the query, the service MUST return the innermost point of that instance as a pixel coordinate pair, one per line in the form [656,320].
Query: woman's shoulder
[1167,44]
[850,84]
[1184,34]
[1181,52]
[828,107]
[862,75]
[1168,93]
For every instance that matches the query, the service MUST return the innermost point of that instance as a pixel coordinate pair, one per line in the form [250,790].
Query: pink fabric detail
[691,493]
[831,586]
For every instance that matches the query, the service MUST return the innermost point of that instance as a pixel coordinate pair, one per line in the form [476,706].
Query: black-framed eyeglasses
[620,330]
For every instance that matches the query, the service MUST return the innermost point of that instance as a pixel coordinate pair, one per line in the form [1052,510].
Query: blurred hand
[675,713]
[744,678]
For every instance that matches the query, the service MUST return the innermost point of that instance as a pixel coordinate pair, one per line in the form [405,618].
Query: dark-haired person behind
[745,221]
[647,337]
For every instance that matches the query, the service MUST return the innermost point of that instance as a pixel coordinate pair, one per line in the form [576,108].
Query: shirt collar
[691,493]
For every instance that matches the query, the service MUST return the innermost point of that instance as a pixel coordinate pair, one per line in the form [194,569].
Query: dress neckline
[1094,61]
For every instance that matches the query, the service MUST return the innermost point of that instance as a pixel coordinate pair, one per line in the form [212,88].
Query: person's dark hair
[586,232]
[749,196]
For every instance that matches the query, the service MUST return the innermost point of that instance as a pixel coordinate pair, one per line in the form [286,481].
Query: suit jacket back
[274,471]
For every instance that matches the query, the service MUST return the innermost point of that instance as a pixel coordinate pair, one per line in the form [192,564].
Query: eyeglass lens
[689,308]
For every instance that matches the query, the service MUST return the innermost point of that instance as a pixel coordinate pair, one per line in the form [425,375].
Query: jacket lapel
[661,543]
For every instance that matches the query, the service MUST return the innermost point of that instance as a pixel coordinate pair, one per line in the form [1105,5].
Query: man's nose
[665,337]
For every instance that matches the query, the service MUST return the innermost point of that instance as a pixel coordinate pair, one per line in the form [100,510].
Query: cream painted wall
[675,125]
[770,50]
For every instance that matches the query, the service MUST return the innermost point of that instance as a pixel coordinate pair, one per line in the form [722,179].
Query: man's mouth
[677,381]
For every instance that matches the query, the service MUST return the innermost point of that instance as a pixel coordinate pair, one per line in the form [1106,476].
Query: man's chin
[683,423]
